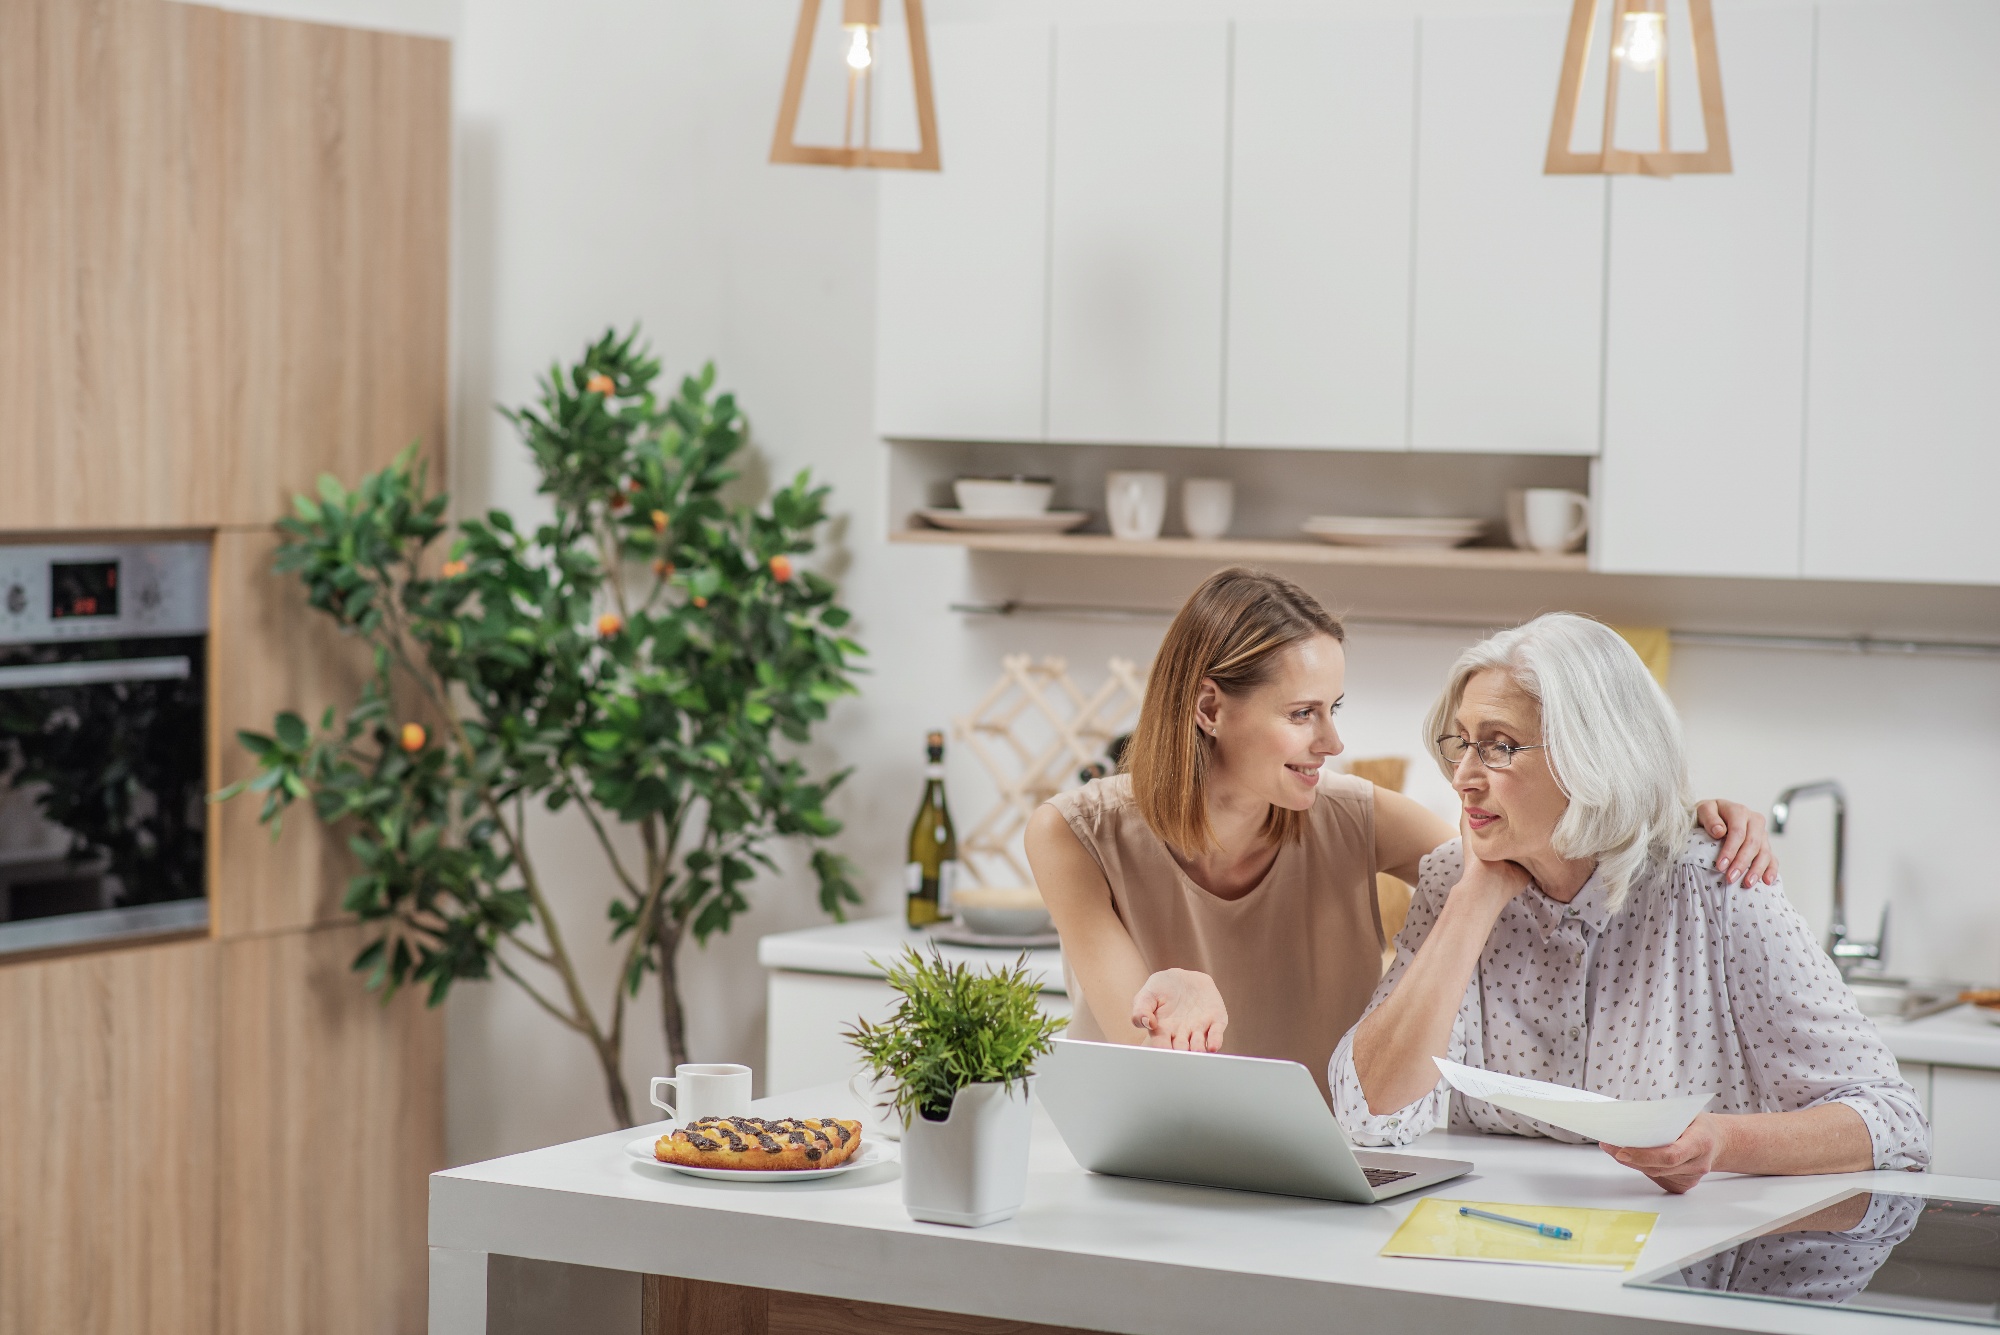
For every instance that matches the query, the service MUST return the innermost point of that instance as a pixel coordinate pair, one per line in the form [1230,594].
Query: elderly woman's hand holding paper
[1578,932]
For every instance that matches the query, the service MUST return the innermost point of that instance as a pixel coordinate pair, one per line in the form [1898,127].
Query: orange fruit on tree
[413,737]
[659,521]
[601,384]
[781,568]
[700,601]
[610,624]
[453,569]
[663,568]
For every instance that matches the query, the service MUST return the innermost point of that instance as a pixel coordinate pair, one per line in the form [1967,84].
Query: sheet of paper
[1607,1120]
[1603,1239]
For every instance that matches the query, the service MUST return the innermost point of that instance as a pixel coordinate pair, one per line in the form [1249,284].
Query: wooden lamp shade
[861,17]
[1628,16]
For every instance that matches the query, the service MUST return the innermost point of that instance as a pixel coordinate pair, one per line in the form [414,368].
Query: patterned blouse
[1693,986]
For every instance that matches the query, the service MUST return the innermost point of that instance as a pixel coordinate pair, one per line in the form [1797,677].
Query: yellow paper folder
[1604,1239]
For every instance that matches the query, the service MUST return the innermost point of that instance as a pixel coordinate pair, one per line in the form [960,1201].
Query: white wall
[612,166]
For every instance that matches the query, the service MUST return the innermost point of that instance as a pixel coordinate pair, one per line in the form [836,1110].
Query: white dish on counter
[1003,496]
[1049,521]
[1393,531]
[958,934]
[872,1153]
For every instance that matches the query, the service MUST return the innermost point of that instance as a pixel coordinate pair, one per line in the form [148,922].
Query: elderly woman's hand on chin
[1181,1008]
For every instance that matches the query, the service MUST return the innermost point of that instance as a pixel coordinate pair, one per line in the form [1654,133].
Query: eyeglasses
[1493,755]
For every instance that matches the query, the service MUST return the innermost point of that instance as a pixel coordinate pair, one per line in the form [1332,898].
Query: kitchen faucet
[1847,954]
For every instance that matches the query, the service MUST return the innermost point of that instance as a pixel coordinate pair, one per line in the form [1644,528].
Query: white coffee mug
[1555,519]
[1207,505]
[1135,503]
[877,1097]
[707,1089]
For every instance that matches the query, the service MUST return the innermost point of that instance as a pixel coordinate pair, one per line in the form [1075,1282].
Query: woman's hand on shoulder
[1181,1008]
[1746,854]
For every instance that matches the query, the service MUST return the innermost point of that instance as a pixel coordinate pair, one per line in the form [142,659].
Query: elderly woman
[1578,933]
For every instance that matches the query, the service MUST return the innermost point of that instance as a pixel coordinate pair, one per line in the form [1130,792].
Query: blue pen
[1546,1230]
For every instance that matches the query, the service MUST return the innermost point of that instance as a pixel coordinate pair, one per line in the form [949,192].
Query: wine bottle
[933,867]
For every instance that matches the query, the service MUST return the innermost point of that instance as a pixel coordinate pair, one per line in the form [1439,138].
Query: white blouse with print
[1694,986]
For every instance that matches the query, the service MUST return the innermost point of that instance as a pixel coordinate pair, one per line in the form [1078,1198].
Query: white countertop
[1122,1255]
[846,947]
[1960,1037]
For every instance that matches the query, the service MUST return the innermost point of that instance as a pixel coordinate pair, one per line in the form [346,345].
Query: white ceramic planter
[972,1168]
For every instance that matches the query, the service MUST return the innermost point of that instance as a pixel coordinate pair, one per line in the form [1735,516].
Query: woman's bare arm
[1095,944]
[1829,1138]
[1405,831]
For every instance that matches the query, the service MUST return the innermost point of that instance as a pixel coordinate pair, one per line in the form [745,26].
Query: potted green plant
[959,1052]
[652,653]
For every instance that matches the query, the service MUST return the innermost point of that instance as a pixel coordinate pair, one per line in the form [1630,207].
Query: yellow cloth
[1605,1239]
[1655,647]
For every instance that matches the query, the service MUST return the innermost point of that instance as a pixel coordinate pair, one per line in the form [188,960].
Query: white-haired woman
[1578,933]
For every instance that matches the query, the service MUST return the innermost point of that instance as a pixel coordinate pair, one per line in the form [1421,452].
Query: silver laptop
[1216,1121]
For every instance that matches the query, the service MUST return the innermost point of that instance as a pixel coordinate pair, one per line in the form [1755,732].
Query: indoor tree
[650,656]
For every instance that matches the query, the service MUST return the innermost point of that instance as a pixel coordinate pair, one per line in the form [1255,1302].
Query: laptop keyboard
[1382,1177]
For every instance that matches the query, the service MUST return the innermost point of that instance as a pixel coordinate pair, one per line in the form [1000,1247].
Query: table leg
[458,1292]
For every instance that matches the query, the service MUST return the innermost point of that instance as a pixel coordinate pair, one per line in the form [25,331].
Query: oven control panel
[102,590]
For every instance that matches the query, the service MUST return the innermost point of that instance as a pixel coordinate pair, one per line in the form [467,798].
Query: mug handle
[670,1082]
[1582,506]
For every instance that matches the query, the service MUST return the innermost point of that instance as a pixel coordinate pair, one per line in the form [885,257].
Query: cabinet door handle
[27,676]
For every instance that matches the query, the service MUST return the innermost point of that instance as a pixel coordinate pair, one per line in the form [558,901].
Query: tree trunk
[614,1086]
[673,1019]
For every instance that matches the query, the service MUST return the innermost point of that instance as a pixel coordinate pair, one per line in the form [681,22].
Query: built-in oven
[103,742]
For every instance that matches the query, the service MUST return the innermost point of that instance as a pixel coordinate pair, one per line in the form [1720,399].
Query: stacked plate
[1392,531]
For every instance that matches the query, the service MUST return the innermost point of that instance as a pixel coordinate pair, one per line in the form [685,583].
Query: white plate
[1049,521]
[955,934]
[1385,531]
[872,1153]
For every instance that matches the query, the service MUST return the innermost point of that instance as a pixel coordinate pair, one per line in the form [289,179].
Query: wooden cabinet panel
[337,147]
[274,653]
[110,242]
[1506,349]
[107,1167]
[1903,437]
[962,254]
[1705,339]
[1964,1108]
[1321,156]
[331,1121]
[1136,233]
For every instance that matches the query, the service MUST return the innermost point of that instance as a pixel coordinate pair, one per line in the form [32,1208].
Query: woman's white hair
[1613,739]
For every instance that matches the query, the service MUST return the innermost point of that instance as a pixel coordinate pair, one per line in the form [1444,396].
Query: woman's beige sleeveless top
[1296,959]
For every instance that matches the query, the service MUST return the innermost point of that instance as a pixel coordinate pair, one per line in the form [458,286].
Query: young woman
[1220,894]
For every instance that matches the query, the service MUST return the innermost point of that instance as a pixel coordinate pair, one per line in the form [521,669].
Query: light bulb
[859,57]
[1642,41]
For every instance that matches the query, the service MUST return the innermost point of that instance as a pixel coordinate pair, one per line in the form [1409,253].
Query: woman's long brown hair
[1229,631]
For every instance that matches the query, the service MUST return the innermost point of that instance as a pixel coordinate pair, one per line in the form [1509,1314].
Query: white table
[1115,1254]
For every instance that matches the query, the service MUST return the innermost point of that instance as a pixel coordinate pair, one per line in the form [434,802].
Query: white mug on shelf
[1207,505]
[705,1089]
[1554,520]
[877,1096]
[1135,503]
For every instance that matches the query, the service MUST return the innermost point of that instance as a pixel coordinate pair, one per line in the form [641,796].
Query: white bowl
[1001,910]
[995,497]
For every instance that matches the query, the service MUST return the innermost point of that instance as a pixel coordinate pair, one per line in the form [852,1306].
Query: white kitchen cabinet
[1705,332]
[961,254]
[1136,233]
[1903,411]
[806,1013]
[1509,309]
[1322,151]
[1965,1113]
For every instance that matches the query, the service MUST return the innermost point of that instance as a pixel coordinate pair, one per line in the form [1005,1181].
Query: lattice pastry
[756,1143]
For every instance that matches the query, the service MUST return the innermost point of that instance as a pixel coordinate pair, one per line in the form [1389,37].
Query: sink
[1899,999]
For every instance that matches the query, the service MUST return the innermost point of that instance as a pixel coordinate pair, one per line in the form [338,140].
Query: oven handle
[95,672]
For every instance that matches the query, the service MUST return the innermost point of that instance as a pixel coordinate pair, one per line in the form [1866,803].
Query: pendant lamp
[860,21]
[1639,40]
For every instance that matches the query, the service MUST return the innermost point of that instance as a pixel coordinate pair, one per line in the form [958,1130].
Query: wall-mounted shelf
[1225,550]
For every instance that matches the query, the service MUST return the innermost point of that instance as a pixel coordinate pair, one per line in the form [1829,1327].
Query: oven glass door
[102,788]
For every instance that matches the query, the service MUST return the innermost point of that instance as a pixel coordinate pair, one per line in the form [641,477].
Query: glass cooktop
[1919,1256]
